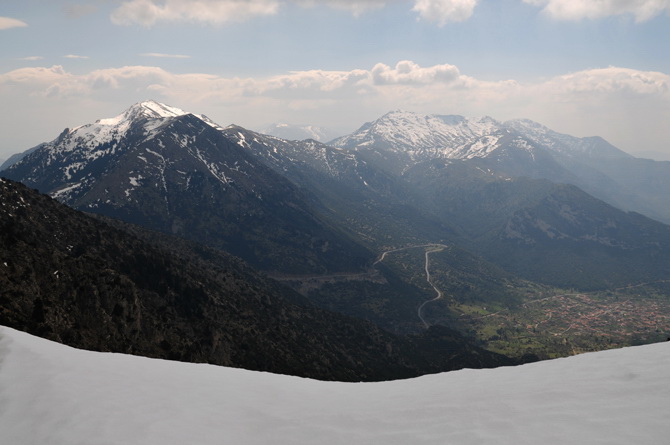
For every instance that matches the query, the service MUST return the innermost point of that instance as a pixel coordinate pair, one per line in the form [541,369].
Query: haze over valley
[339,217]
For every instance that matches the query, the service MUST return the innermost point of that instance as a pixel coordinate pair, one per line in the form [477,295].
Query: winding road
[433,248]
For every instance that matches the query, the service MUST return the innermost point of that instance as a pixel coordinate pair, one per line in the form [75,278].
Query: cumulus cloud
[445,11]
[405,79]
[8,23]
[409,73]
[218,12]
[380,79]
[627,106]
[211,12]
[606,81]
[34,77]
[590,9]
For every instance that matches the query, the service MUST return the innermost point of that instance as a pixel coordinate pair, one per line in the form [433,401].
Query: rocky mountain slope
[71,278]
[494,193]
[175,172]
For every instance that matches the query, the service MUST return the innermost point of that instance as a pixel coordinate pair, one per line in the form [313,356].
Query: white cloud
[165,56]
[629,107]
[356,7]
[218,12]
[409,73]
[612,80]
[74,56]
[445,11]
[32,58]
[595,9]
[210,12]
[8,23]
[429,84]
[34,77]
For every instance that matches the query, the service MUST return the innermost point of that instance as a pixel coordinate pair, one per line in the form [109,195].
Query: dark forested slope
[72,278]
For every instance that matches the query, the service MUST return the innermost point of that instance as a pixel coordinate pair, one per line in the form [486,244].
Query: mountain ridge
[302,209]
[178,169]
[78,280]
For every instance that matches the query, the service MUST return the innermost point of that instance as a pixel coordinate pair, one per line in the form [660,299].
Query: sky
[582,67]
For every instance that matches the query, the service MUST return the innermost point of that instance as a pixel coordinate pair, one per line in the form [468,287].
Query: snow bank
[53,394]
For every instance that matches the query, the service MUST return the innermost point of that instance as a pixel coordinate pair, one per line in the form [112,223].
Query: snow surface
[53,394]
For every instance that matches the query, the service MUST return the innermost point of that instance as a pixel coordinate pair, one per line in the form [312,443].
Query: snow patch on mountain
[421,137]
[563,143]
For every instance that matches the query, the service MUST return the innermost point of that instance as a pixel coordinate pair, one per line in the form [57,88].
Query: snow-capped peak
[419,136]
[86,143]
[148,109]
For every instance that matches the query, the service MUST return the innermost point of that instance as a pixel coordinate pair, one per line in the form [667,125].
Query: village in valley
[571,323]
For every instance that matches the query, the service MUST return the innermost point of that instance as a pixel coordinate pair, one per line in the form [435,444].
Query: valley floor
[53,394]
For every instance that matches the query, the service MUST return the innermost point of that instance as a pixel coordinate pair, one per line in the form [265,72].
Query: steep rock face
[176,172]
[72,278]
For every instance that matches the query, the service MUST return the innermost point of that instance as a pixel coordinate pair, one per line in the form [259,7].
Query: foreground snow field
[53,394]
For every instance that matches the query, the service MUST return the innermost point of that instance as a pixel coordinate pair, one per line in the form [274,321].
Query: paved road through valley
[432,249]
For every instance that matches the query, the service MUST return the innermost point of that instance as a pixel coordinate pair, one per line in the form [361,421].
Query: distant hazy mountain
[422,137]
[176,172]
[494,199]
[13,159]
[399,140]
[375,205]
[297,132]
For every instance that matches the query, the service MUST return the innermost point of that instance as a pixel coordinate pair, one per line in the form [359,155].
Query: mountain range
[506,203]
[175,172]
[519,147]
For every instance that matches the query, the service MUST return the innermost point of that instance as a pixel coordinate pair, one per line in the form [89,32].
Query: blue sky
[580,67]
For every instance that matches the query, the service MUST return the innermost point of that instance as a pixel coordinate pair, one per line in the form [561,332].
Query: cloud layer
[218,12]
[630,107]
[444,11]
[595,9]
[211,12]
